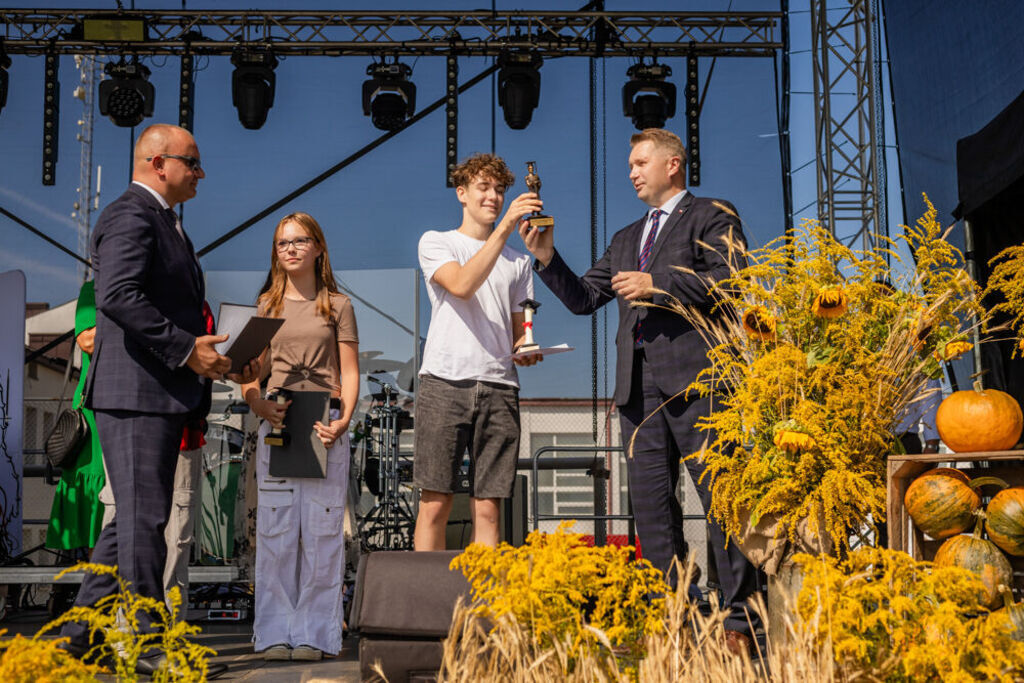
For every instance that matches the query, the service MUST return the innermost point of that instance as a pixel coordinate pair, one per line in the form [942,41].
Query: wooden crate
[903,469]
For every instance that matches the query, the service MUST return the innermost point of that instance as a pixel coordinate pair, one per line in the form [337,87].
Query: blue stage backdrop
[955,66]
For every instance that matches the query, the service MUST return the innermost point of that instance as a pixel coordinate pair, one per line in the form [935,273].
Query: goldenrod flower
[830,302]
[792,441]
[953,350]
[759,324]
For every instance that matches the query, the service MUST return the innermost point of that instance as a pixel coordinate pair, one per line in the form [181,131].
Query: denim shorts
[455,415]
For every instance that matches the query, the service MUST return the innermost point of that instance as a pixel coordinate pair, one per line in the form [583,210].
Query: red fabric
[191,439]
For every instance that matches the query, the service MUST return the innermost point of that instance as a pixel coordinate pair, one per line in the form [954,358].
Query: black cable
[49,345]
[782,118]
[40,233]
[363,151]
[593,235]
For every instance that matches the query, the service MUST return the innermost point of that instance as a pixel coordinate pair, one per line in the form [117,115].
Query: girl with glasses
[300,544]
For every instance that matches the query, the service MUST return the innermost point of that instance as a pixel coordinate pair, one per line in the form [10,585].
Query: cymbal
[221,388]
[377,365]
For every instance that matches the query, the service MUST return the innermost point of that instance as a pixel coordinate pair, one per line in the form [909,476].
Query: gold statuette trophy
[536,219]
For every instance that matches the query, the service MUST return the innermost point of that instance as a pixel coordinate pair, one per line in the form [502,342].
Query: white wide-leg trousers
[300,553]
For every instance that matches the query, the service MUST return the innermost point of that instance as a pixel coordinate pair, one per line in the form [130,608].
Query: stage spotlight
[127,97]
[648,99]
[519,87]
[389,98]
[252,85]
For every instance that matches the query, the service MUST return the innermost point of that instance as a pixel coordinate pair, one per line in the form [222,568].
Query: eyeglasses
[300,243]
[192,163]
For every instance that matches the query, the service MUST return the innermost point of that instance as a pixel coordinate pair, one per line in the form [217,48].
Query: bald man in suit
[150,366]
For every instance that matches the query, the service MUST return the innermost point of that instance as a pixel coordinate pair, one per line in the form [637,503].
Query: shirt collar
[159,197]
[668,207]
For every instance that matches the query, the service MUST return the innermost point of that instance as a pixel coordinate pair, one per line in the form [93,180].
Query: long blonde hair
[271,298]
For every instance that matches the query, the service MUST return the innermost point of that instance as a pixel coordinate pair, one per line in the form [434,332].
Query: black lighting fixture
[389,97]
[5,64]
[692,121]
[51,116]
[451,118]
[252,84]
[647,98]
[127,96]
[519,87]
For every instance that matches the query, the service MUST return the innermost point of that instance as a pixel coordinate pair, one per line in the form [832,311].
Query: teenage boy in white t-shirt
[468,395]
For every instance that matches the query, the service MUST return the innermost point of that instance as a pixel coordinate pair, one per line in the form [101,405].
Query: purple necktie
[645,255]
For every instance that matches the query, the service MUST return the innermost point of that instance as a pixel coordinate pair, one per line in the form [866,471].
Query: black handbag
[69,431]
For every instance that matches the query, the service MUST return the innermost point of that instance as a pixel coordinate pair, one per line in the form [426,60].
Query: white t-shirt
[472,338]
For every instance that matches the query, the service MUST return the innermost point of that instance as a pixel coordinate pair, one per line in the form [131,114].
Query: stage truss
[423,32]
[846,121]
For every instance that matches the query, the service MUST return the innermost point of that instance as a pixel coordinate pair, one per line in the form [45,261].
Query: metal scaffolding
[551,34]
[844,120]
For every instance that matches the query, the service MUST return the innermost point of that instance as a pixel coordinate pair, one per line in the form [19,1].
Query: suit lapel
[669,226]
[175,238]
[632,255]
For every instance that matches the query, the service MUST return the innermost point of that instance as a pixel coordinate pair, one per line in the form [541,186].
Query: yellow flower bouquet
[818,352]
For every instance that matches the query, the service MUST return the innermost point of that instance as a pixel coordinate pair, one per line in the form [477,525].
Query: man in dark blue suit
[659,354]
[151,365]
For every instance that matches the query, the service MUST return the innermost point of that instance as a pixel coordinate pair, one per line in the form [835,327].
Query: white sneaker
[307,654]
[277,653]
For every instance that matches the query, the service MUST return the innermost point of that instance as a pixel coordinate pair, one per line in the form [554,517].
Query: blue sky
[374,211]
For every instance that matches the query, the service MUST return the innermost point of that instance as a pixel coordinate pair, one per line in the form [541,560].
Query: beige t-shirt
[304,352]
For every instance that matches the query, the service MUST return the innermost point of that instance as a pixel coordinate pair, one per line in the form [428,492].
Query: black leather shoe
[75,650]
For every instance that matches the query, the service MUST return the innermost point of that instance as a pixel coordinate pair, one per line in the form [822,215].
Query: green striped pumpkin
[1005,520]
[1015,611]
[942,502]
[974,553]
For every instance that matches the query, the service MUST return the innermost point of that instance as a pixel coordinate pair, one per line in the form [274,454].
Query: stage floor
[233,643]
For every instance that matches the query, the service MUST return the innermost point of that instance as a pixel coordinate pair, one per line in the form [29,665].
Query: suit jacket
[676,350]
[149,310]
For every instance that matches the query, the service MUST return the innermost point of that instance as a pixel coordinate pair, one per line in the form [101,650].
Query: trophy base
[280,440]
[528,347]
[540,221]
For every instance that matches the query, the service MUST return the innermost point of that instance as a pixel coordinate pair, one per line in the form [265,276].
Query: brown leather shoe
[737,643]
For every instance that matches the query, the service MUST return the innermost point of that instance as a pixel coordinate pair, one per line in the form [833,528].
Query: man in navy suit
[659,354]
[151,365]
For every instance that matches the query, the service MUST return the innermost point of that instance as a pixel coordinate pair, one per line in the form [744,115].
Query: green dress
[77,514]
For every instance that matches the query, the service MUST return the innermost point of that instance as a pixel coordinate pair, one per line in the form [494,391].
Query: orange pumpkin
[979,420]
[974,553]
[942,502]
[1005,520]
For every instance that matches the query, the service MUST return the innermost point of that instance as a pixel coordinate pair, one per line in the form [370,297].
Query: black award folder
[249,333]
[304,454]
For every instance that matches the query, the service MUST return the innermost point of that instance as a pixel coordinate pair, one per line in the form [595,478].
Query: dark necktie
[645,255]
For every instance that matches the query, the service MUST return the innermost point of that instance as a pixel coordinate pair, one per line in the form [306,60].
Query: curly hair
[489,166]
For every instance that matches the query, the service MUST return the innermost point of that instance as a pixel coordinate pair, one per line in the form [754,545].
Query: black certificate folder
[249,333]
[304,454]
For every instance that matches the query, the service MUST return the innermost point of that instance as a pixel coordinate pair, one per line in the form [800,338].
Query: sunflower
[953,350]
[759,324]
[793,441]
[830,302]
